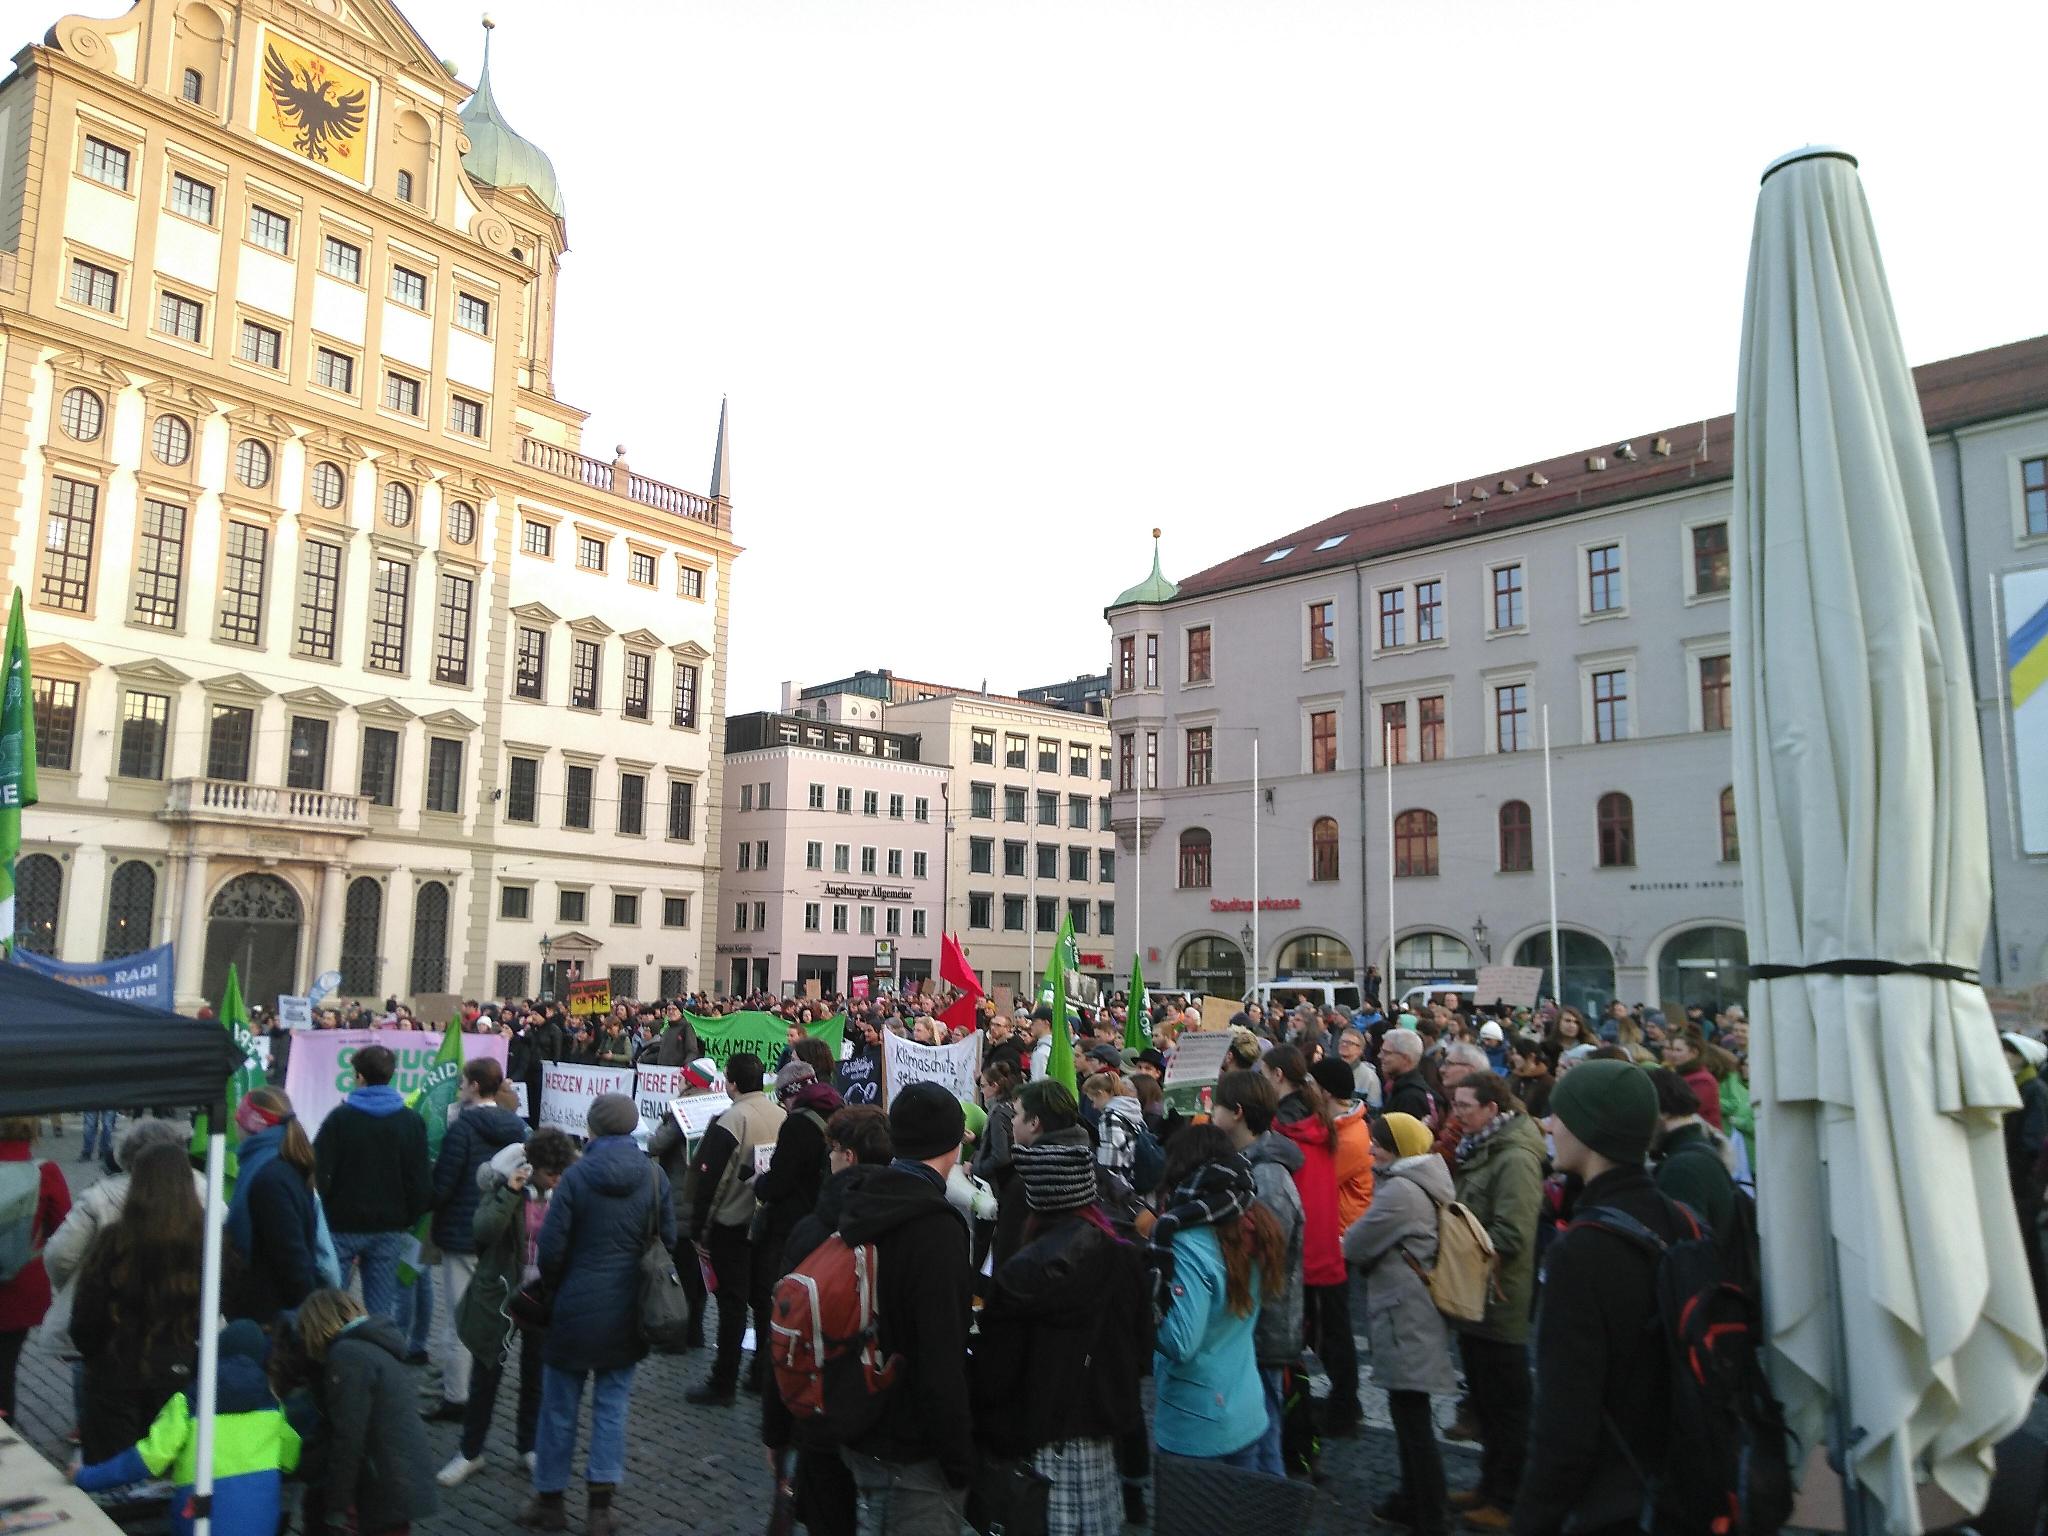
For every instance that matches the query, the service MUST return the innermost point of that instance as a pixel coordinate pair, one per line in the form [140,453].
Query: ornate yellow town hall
[347,656]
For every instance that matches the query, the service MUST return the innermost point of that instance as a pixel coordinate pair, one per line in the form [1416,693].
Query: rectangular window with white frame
[1319,646]
[1603,580]
[1605,687]
[1392,604]
[1506,591]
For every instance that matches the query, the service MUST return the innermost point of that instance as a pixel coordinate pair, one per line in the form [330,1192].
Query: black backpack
[1729,1471]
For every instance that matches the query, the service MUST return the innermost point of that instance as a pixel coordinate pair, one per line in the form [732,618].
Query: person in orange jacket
[1354,1140]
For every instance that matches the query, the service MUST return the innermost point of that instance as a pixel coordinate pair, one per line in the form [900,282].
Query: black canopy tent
[68,1049]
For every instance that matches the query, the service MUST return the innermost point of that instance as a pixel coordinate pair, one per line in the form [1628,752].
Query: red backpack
[826,1341]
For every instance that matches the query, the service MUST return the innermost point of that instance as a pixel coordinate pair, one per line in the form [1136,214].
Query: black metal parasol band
[1931,968]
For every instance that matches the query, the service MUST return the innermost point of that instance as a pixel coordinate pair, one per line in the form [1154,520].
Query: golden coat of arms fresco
[313,107]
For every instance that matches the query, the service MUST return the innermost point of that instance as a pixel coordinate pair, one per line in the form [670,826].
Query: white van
[1416,998]
[1293,993]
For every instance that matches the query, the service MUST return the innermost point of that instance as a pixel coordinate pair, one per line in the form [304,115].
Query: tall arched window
[430,939]
[1617,830]
[1415,843]
[1731,840]
[1323,843]
[1194,859]
[38,895]
[362,924]
[1517,845]
[131,908]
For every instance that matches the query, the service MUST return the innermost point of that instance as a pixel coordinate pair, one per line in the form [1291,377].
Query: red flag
[953,967]
[962,1014]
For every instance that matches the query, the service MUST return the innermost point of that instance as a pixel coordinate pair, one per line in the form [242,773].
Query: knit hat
[703,1075]
[925,1121]
[791,1079]
[1058,1174]
[1402,1135]
[1334,1078]
[613,1114]
[1490,1033]
[1611,1106]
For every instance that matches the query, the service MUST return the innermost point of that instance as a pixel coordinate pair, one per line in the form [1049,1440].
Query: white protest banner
[295,1012]
[566,1094]
[1197,1058]
[696,1114]
[321,1070]
[654,1088]
[952,1067]
[1514,985]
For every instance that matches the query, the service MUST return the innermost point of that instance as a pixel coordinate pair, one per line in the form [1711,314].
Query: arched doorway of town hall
[254,924]
[1210,966]
[1588,969]
[1708,966]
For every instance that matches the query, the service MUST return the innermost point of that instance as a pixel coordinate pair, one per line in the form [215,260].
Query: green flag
[432,1100]
[764,1034]
[1137,1018]
[17,762]
[1060,1065]
[234,1018]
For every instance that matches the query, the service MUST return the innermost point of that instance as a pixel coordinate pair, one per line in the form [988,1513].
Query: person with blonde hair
[376,1459]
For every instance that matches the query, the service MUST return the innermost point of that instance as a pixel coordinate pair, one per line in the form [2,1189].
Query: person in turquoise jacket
[253,1446]
[1213,1253]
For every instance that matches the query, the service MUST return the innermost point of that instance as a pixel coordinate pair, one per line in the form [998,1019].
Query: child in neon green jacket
[253,1446]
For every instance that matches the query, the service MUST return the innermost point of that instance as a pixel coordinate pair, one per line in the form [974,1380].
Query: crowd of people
[1026,1259]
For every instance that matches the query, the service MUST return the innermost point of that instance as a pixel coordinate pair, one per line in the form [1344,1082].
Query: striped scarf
[1057,1175]
[1211,1195]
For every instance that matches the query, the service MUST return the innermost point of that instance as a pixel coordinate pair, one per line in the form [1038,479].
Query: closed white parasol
[1895,1284]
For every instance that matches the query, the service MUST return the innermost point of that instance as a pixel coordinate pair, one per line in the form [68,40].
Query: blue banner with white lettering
[140,978]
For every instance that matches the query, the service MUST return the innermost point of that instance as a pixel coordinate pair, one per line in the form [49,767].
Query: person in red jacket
[1686,1054]
[25,1295]
[1307,1119]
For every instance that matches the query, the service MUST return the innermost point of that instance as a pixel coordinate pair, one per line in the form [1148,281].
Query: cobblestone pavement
[689,1470]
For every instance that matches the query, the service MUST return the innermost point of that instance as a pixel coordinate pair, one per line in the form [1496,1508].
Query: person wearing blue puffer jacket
[1214,1252]
[274,1220]
[253,1446]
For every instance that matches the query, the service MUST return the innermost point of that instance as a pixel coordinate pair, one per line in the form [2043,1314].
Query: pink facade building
[835,856]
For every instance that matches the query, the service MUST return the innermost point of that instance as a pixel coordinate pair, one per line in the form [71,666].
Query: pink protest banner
[322,1071]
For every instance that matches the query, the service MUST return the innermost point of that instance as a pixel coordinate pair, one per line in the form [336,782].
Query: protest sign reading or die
[952,1067]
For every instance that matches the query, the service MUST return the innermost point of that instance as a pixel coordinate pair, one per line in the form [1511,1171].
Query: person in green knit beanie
[1611,1106]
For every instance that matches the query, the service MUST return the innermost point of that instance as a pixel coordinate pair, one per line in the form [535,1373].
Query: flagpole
[1393,967]
[1550,859]
[1031,924]
[1255,861]
[1138,858]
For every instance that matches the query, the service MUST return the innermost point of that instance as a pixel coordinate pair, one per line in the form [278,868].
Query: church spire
[1154,588]
[721,459]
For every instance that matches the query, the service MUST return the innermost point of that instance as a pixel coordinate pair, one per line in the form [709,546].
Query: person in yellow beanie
[1394,1242]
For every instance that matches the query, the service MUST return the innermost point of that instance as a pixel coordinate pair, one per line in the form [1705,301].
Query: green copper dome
[1154,588]
[497,156]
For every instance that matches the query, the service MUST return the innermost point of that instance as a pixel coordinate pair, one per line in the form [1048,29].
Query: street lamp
[1249,937]
[547,968]
[1479,938]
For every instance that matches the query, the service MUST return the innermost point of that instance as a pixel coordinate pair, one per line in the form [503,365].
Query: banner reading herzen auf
[952,1067]
[321,1071]
[567,1092]
[764,1034]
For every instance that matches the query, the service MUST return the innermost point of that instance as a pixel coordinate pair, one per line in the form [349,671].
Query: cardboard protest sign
[1514,985]
[1197,1058]
[952,1067]
[566,1093]
[321,1070]
[1217,1012]
[590,997]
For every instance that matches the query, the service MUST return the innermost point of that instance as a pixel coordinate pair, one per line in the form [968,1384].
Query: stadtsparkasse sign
[1266,904]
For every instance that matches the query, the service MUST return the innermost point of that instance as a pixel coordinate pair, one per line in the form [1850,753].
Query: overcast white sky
[997,285]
